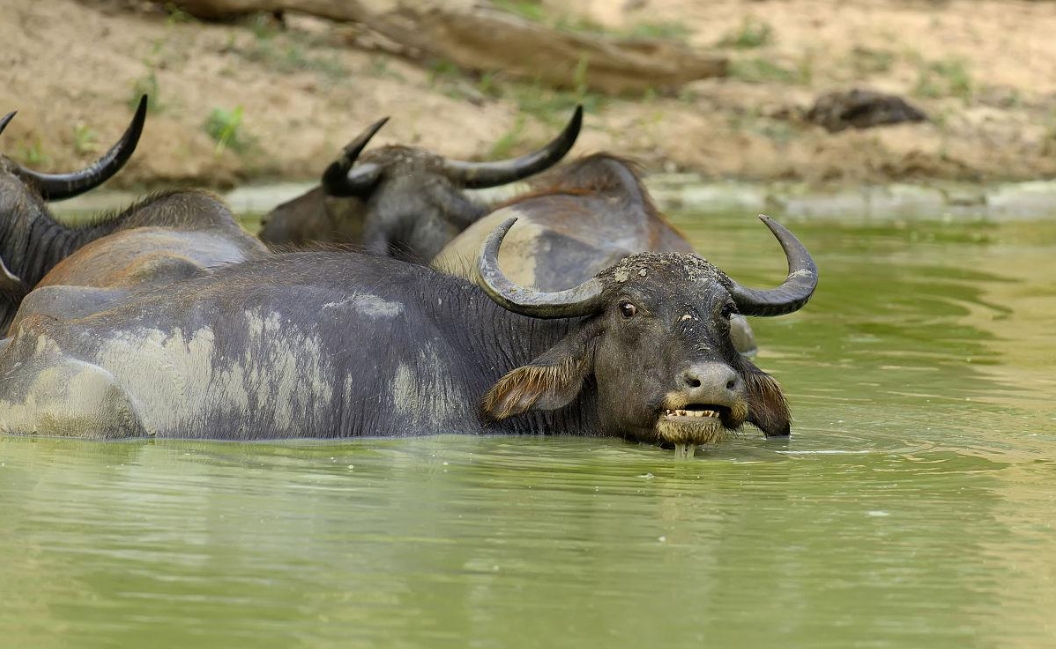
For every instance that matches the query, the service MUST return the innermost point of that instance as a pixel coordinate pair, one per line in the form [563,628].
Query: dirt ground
[286,100]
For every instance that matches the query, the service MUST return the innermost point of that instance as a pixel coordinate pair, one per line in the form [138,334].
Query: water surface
[912,507]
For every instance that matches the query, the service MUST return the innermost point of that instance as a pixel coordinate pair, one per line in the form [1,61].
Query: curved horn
[340,179]
[581,300]
[794,292]
[11,284]
[477,175]
[57,187]
[7,118]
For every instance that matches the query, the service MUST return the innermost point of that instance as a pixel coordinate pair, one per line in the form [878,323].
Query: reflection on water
[912,508]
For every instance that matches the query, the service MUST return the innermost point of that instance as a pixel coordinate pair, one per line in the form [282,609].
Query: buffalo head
[27,229]
[398,200]
[655,342]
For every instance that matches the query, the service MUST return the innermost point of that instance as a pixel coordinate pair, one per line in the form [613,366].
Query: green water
[913,507]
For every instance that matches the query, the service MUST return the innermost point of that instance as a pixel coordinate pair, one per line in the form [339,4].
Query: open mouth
[693,424]
[696,411]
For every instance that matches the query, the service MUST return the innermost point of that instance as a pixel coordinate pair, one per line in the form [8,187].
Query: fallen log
[341,10]
[485,39]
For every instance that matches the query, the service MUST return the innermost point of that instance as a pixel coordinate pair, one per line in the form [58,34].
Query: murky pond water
[913,506]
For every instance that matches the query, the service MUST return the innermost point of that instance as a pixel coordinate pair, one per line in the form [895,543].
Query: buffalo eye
[728,310]
[627,310]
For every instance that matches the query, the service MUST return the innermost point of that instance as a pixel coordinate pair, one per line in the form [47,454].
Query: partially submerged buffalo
[576,221]
[31,240]
[398,200]
[76,270]
[163,239]
[331,344]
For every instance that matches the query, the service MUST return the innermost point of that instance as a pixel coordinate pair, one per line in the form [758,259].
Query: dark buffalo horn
[476,175]
[581,300]
[57,187]
[7,118]
[794,292]
[340,179]
[10,284]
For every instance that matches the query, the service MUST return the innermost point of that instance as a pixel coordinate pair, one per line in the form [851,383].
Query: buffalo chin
[694,424]
[691,430]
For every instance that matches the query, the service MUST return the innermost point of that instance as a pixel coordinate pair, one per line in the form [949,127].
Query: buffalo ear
[549,382]
[767,407]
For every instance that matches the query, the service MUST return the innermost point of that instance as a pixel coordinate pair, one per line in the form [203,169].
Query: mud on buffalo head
[655,341]
[26,226]
[398,200]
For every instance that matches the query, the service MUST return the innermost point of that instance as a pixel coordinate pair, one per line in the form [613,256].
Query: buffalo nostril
[710,380]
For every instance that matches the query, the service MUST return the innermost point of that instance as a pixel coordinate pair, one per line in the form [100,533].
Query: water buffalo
[333,344]
[576,221]
[79,269]
[31,240]
[398,200]
[165,238]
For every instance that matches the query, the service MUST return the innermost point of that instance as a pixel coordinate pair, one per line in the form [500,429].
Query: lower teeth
[691,413]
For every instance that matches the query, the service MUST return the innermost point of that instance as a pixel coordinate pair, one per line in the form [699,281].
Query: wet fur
[531,387]
[551,381]
[767,406]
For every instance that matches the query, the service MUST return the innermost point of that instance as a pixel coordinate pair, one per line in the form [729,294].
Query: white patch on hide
[368,305]
[425,396]
[279,379]
[65,397]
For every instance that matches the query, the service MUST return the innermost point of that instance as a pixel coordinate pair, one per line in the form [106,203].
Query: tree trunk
[483,39]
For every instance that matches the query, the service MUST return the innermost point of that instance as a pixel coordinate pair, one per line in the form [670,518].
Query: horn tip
[5,119]
[774,226]
[492,243]
[503,229]
[378,124]
[577,119]
[135,129]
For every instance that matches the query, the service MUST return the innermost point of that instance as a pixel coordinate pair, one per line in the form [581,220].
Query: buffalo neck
[46,242]
[32,244]
[499,341]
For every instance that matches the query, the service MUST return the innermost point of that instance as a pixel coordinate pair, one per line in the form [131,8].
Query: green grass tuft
[225,127]
[33,153]
[753,33]
[945,78]
[85,139]
[760,70]
[509,140]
